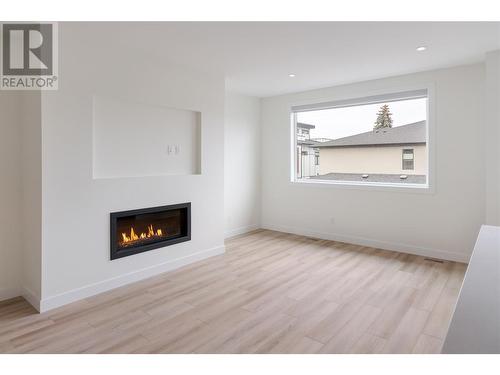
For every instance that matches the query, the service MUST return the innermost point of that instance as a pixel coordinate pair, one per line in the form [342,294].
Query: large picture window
[376,140]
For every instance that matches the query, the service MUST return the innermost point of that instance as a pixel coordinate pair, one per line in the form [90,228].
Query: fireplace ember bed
[137,231]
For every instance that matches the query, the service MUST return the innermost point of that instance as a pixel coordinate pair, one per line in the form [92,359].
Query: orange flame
[134,237]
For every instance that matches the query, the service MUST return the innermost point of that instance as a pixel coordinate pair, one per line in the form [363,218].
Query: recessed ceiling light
[421,48]
[291,75]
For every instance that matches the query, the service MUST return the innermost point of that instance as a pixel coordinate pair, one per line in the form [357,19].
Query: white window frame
[372,97]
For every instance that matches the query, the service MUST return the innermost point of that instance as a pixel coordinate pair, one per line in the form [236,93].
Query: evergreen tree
[384,119]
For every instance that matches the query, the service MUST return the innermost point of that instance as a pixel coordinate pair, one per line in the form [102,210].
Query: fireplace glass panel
[146,229]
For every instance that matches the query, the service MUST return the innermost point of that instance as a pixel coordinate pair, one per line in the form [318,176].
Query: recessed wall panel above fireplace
[137,140]
[141,230]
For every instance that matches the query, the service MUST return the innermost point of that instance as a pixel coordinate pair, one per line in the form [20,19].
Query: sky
[342,122]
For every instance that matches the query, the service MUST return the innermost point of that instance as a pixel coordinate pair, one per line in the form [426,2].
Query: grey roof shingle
[413,133]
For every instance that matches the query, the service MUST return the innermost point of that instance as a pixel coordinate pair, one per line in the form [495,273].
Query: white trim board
[28,295]
[58,300]
[361,241]
[8,293]
[31,297]
[240,230]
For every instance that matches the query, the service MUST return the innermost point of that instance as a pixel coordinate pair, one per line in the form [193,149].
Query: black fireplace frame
[114,216]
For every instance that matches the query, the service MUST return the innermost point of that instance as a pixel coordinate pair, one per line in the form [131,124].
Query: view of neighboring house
[396,154]
[307,152]
[384,155]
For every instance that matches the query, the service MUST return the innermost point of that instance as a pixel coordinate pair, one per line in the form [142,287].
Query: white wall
[492,138]
[31,207]
[76,207]
[443,224]
[242,164]
[10,194]
[20,195]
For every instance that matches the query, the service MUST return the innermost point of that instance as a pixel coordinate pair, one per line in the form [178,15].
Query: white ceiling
[257,58]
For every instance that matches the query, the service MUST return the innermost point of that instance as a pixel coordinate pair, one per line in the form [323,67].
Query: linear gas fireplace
[136,231]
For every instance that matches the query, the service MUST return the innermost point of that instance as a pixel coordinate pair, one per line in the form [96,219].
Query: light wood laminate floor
[270,293]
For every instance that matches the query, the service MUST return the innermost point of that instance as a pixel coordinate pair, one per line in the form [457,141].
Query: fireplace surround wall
[145,229]
[73,260]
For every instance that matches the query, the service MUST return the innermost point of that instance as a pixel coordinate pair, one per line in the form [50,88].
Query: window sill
[371,186]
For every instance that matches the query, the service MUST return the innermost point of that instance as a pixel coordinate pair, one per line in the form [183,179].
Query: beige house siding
[373,159]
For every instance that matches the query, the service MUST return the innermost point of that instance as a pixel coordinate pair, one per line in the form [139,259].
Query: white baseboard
[241,230]
[52,302]
[8,293]
[31,298]
[28,295]
[391,246]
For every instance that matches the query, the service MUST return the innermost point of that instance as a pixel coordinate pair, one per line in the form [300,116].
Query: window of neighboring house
[367,141]
[408,159]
